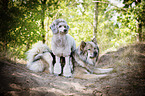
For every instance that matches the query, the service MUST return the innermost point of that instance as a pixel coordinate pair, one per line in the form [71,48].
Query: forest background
[25,22]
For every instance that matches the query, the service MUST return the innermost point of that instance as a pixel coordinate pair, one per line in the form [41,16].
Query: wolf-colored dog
[40,58]
[86,56]
[62,46]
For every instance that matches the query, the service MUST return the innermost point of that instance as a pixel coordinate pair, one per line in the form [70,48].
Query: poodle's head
[59,26]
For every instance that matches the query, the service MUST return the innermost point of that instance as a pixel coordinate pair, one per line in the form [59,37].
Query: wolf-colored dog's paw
[57,68]
[67,71]
[100,70]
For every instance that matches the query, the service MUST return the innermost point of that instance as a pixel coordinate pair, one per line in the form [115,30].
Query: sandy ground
[127,78]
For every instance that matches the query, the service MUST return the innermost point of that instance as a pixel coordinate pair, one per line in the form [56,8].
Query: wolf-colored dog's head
[59,26]
[90,51]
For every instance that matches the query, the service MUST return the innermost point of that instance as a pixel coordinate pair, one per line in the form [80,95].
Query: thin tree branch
[101,2]
[95,19]
[110,4]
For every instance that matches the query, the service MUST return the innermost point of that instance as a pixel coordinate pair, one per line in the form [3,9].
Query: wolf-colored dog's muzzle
[93,55]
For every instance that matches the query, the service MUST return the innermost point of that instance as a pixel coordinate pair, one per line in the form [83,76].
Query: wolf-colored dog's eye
[64,26]
[59,26]
[89,49]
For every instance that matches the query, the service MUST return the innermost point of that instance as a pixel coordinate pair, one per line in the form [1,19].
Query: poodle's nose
[65,30]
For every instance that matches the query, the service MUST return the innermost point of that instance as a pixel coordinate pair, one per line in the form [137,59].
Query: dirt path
[127,78]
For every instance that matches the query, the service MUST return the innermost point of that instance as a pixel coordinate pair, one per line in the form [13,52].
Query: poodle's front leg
[67,68]
[57,66]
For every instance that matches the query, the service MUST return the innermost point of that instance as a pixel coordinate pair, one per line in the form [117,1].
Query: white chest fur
[62,45]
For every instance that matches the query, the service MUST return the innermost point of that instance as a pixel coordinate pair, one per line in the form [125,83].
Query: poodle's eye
[89,49]
[64,26]
[59,26]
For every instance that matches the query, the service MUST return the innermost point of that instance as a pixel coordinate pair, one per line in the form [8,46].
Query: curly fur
[39,58]
[62,46]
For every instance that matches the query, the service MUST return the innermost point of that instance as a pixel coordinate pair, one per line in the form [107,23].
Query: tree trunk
[95,19]
[46,29]
[140,31]
[143,23]
[43,34]
[4,28]
[43,6]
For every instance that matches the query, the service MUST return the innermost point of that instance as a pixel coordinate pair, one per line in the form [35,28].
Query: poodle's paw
[57,68]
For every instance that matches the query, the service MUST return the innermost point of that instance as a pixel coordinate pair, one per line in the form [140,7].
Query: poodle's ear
[94,40]
[82,46]
[53,28]
[67,27]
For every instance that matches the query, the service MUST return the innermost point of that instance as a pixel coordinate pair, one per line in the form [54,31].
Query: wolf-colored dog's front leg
[57,66]
[67,68]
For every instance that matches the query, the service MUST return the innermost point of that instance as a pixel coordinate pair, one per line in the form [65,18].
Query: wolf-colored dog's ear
[82,46]
[53,28]
[94,40]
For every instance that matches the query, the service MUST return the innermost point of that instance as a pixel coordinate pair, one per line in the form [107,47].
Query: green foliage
[22,23]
